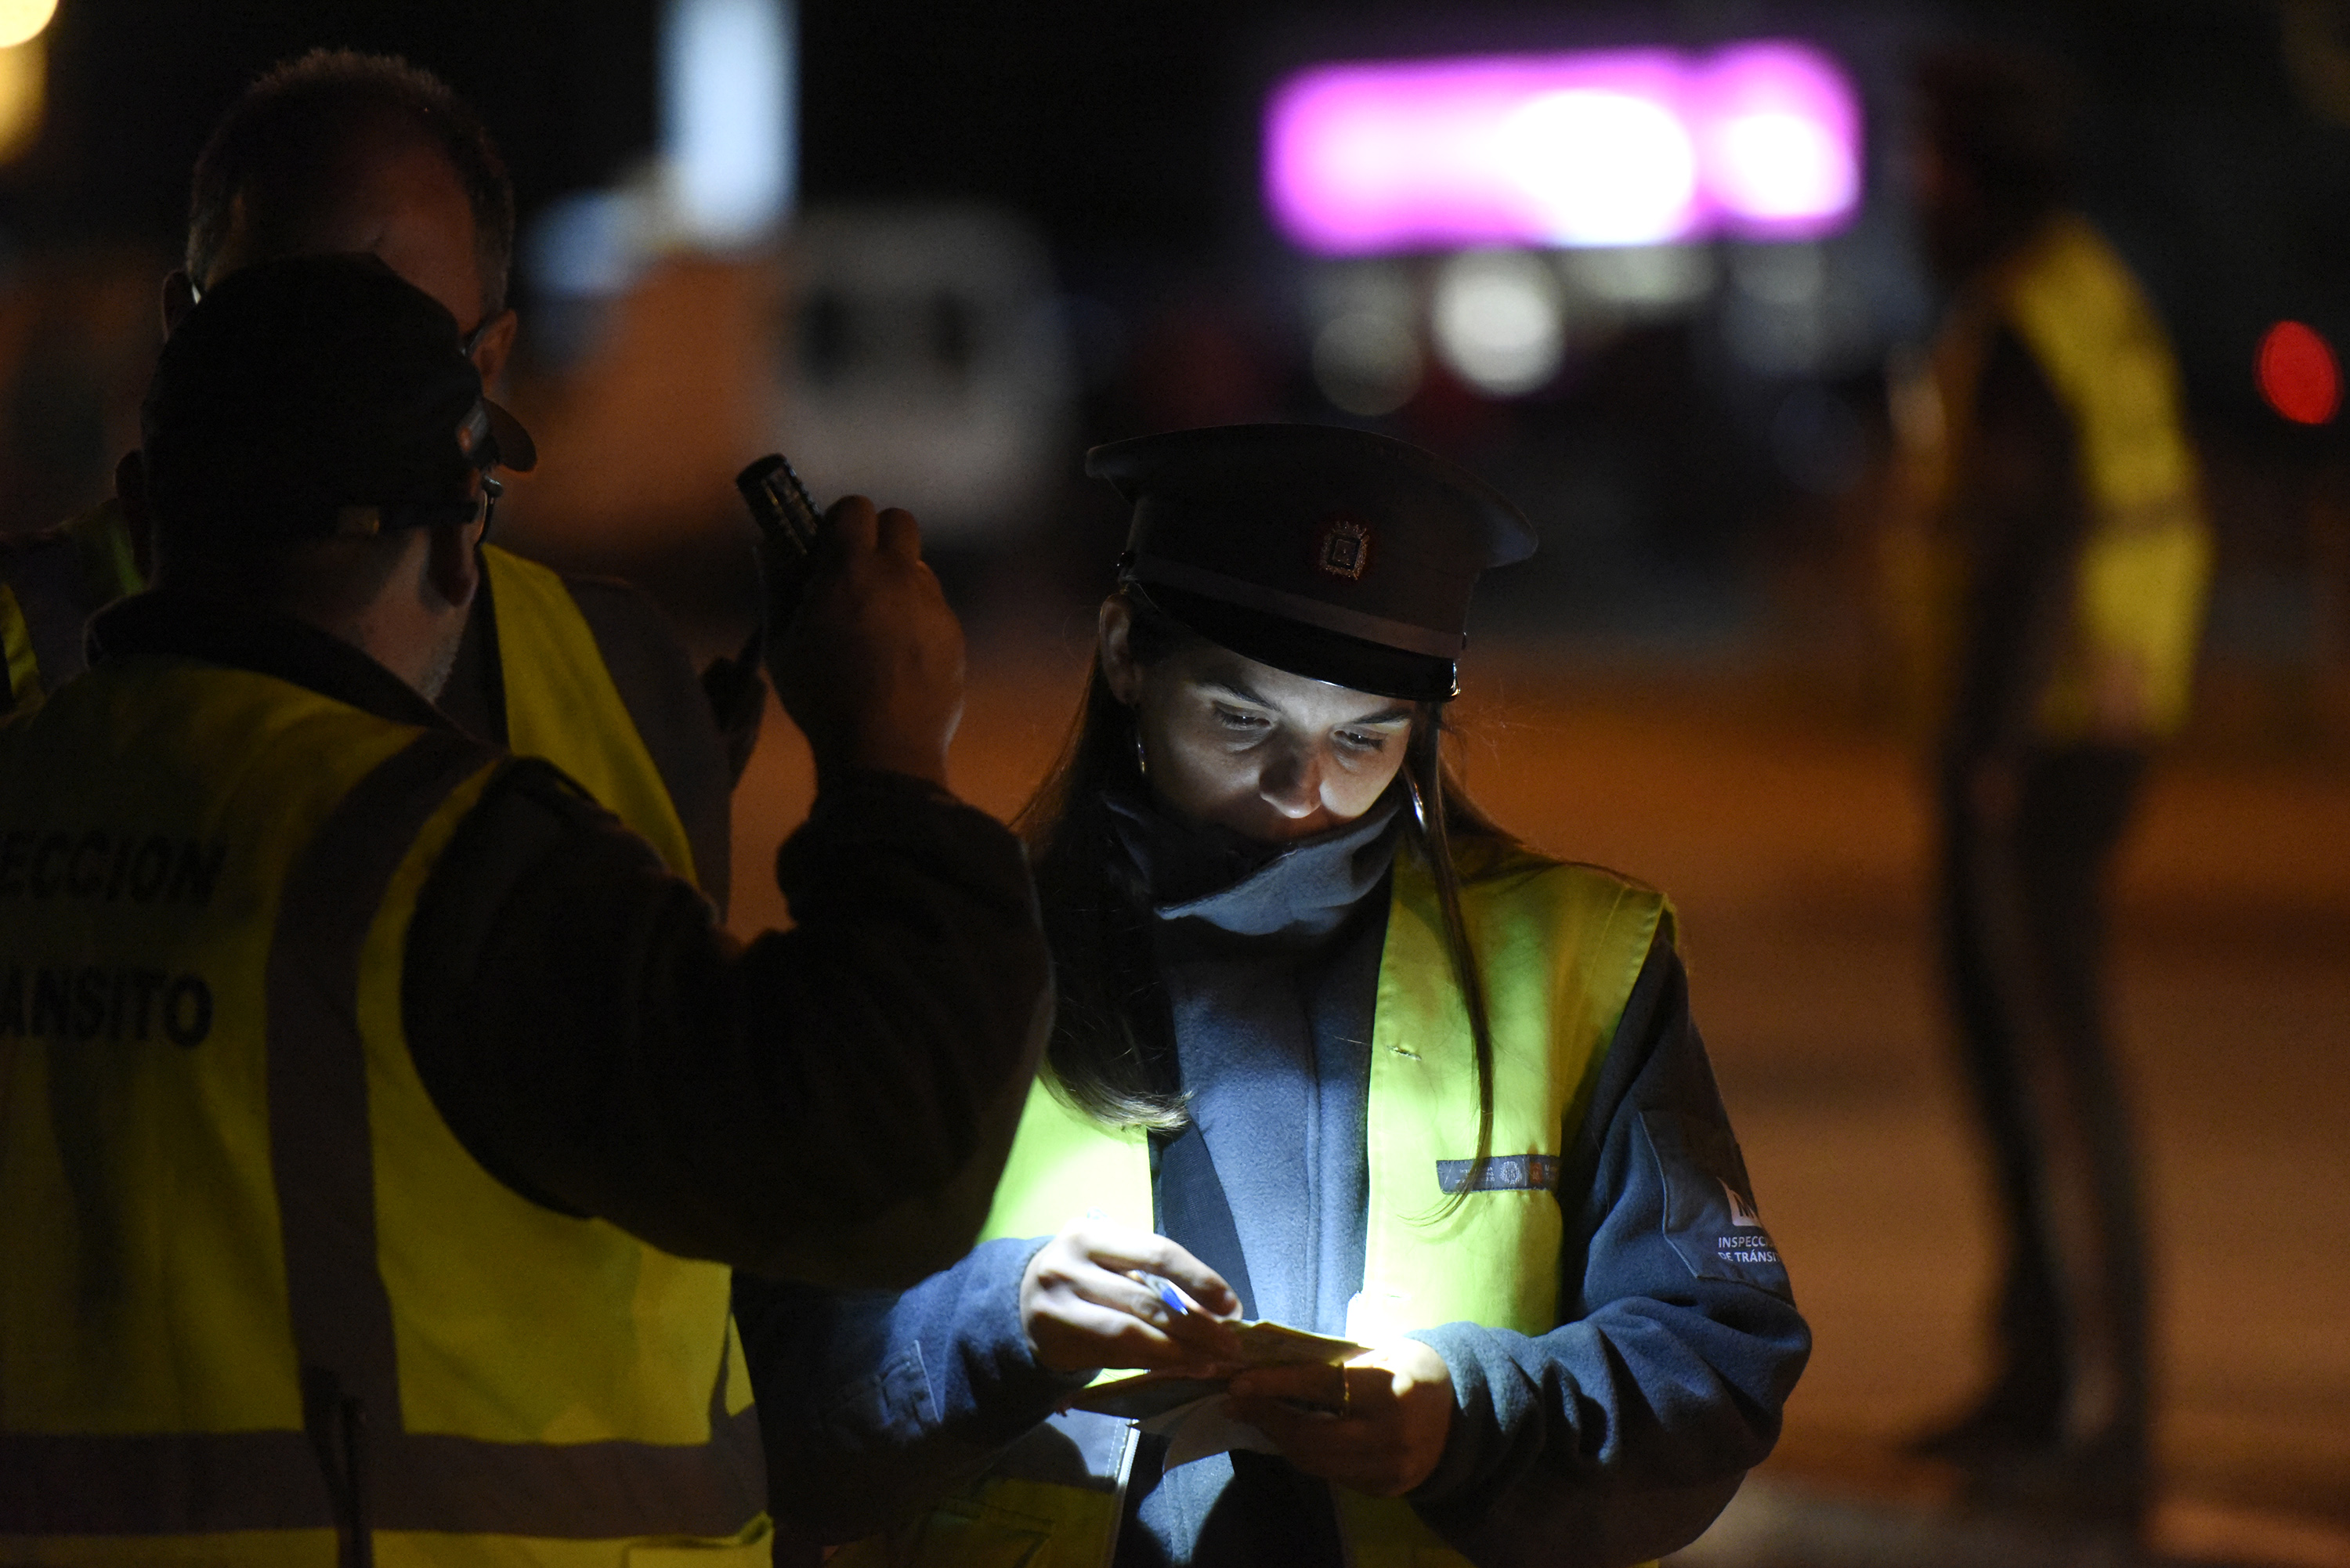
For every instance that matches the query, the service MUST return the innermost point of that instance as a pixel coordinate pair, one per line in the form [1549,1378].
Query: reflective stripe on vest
[2145,566]
[561,704]
[252,1287]
[1560,947]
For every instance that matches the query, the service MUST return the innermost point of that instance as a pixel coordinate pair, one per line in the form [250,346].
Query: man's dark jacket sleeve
[832,1103]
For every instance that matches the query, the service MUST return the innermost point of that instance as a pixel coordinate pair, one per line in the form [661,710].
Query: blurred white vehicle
[924,360]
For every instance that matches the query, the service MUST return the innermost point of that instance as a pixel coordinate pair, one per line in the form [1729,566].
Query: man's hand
[1084,1308]
[1380,1422]
[871,666]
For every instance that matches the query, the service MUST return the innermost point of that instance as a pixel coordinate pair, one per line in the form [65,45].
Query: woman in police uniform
[1332,1049]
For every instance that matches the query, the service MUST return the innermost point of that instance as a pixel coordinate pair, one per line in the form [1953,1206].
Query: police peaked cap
[1330,552]
[298,387]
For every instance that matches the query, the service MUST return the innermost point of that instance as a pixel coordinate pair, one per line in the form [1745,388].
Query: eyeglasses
[486,513]
[465,345]
[367,521]
[473,340]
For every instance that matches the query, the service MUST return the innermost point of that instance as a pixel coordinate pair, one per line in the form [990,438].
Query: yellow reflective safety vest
[257,1303]
[72,572]
[1561,946]
[21,665]
[2145,566]
[560,699]
[561,704]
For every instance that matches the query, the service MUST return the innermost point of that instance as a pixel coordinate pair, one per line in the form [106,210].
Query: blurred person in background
[1332,1049]
[380,1120]
[343,151]
[2056,553]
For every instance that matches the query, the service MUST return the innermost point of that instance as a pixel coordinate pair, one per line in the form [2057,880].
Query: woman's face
[1265,754]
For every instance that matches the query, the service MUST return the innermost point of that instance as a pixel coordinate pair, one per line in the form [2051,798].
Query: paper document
[1189,1412]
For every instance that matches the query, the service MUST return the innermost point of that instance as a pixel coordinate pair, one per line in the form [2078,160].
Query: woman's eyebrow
[1386,715]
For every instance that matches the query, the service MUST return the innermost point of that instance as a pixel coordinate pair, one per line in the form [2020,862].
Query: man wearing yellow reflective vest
[2054,557]
[343,151]
[379,1121]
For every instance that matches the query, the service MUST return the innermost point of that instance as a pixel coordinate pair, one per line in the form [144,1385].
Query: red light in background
[2298,374]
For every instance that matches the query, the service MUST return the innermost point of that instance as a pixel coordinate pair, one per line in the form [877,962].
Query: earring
[1141,757]
[1419,805]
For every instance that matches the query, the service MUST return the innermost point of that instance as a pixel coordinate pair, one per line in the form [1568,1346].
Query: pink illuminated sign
[1626,147]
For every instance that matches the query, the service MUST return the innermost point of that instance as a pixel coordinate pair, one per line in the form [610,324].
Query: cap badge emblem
[1344,550]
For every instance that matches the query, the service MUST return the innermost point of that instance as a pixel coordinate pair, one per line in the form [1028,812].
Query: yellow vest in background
[16,656]
[1561,946]
[2145,566]
[105,569]
[254,1285]
[560,702]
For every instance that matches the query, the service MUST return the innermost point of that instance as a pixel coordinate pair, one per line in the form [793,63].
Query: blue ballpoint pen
[1170,1295]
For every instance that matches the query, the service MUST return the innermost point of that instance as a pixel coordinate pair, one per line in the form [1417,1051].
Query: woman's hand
[1381,1422]
[1083,1306]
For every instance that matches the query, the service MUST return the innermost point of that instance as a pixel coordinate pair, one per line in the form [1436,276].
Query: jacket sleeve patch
[1710,1218]
[1502,1173]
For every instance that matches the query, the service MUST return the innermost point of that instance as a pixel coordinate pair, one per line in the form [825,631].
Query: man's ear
[493,348]
[138,514]
[452,566]
[179,298]
[1115,647]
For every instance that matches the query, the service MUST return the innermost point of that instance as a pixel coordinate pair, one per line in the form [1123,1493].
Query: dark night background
[2214,137]
[1689,683]
[1126,129]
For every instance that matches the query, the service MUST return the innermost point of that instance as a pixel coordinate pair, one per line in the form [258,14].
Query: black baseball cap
[299,387]
[1330,552]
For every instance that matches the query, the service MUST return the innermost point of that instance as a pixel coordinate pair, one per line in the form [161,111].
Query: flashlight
[787,520]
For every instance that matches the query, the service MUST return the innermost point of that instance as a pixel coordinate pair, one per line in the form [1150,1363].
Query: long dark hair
[1112,1055]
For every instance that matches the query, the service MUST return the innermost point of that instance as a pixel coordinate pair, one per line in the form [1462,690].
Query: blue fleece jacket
[1615,1438]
